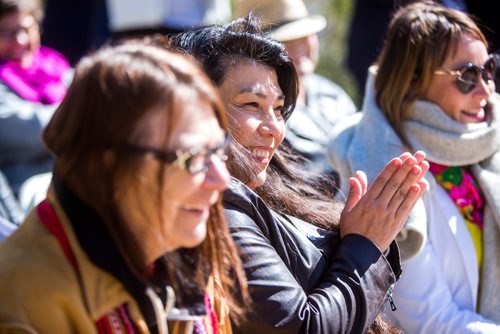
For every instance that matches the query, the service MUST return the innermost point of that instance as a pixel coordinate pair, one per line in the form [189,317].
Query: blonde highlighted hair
[420,37]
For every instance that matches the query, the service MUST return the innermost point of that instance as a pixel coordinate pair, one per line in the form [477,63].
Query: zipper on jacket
[391,301]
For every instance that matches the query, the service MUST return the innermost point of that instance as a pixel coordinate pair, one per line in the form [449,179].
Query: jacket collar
[96,242]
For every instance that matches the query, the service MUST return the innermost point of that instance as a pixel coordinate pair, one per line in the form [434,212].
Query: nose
[486,87]
[217,176]
[270,125]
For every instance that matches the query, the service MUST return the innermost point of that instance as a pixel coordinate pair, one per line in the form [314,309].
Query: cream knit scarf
[455,144]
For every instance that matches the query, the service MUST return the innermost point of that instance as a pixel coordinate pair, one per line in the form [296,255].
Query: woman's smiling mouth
[262,154]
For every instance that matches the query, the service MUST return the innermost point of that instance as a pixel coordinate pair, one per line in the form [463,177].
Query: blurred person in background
[33,80]
[321,103]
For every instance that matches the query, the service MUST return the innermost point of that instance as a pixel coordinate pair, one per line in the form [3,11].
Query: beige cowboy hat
[285,19]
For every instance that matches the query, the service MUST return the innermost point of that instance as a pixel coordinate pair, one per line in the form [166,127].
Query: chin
[258,180]
[187,230]
[195,238]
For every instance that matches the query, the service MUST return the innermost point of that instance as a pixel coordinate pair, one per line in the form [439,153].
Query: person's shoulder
[31,252]
[239,196]
[323,84]
[33,273]
[243,207]
[238,193]
[8,96]
[320,79]
[343,132]
[59,64]
[339,145]
[322,90]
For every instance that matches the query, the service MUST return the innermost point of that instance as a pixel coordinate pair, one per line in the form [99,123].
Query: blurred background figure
[131,233]
[33,80]
[321,103]
[79,26]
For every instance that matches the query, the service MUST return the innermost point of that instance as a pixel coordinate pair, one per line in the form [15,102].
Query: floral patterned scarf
[463,189]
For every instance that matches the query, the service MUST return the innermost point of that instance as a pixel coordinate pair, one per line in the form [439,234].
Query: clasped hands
[380,211]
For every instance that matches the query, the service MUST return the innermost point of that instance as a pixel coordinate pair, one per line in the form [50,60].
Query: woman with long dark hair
[313,266]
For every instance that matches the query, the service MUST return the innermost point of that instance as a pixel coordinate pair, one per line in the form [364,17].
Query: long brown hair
[111,92]
[421,35]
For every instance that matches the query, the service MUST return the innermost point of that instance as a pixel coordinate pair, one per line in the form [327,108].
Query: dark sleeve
[346,300]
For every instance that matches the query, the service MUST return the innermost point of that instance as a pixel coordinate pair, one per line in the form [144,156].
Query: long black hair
[288,188]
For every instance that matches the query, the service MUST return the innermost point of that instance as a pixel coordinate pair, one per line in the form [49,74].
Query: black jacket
[304,279]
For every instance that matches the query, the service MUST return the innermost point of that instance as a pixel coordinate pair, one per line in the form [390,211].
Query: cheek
[282,131]
[3,49]
[179,186]
[243,127]
[452,107]
[181,228]
[34,40]
[447,97]
[451,102]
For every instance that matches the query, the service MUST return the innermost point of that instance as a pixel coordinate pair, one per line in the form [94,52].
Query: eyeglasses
[25,27]
[194,160]
[468,76]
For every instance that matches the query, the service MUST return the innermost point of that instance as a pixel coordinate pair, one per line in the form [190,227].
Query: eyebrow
[257,92]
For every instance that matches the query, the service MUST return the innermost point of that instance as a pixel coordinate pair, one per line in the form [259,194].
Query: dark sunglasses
[468,76]
[194,160]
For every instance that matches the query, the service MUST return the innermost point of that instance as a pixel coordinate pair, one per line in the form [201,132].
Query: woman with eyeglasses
[313,265]
[33,80]
[131,234]
[433,89]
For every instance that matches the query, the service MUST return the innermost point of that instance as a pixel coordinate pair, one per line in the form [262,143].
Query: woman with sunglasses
[132,231]
[432,89]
